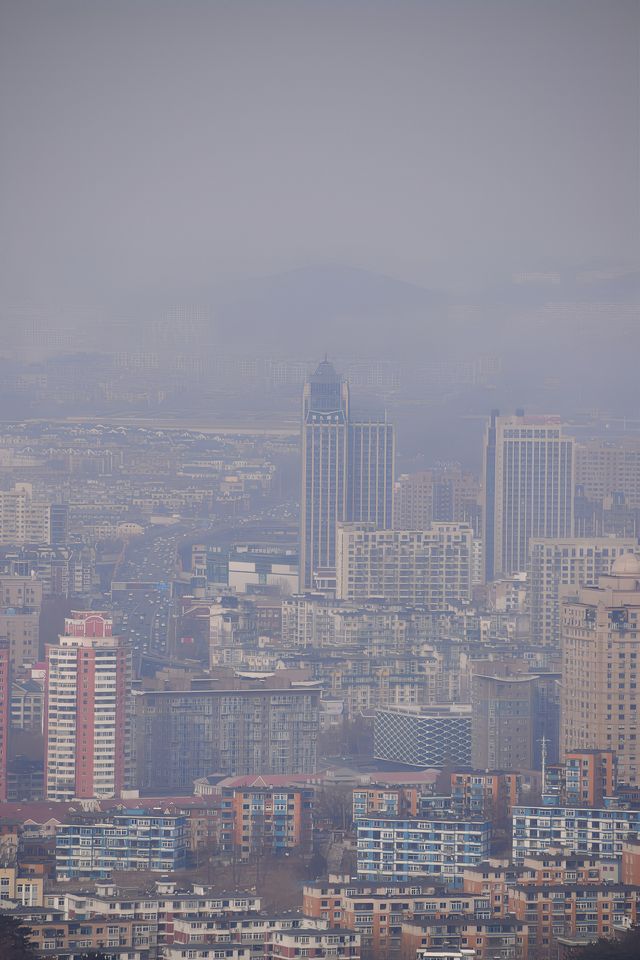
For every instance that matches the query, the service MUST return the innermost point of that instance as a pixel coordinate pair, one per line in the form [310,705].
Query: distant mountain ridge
[326,308]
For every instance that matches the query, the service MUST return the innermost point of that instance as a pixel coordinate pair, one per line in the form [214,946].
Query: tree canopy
[15,940]
[627,947]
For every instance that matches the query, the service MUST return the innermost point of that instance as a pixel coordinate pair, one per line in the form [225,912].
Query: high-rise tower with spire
[347,471]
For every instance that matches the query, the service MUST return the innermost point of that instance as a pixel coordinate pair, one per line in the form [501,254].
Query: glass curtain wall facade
[347,471]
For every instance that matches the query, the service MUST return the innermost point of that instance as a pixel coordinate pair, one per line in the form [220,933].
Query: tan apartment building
[559,566]
[600,651]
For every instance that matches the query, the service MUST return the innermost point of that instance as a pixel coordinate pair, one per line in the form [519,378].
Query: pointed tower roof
[325,373]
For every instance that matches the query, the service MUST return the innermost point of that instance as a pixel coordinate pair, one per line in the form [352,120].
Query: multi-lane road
[141,589]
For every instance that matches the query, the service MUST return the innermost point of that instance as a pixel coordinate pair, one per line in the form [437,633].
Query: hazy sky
[150,144]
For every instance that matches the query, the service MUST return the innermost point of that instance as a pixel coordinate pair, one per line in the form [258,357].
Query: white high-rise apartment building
[528,488]
[430,568]
[88,711]
[26,520]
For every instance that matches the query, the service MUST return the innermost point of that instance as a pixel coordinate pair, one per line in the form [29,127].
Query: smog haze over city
[424,183]
[319,479]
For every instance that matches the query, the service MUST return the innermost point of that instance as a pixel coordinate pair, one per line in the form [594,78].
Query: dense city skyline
[168,671]
[319,480]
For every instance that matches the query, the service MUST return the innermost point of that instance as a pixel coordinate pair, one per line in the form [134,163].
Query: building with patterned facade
[424,736]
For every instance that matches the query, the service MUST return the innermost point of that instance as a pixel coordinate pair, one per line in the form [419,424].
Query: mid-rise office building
[255,573]
[528,480]
[558,566]
[600,654]
[87,711]
[347,472]
[424,568]
[424,736]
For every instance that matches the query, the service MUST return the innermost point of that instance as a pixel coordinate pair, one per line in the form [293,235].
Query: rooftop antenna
[544,763]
